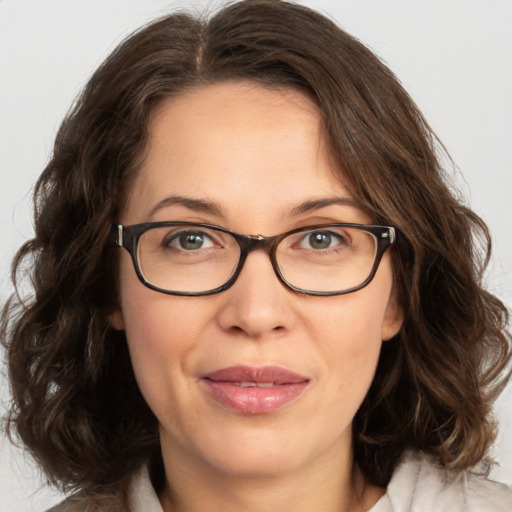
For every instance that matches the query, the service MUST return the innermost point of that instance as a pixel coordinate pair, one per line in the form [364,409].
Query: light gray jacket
[417,485]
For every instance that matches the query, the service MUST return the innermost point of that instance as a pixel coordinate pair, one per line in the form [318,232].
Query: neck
[331,486]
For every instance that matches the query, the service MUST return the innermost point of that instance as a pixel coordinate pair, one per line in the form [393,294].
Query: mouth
[254,390]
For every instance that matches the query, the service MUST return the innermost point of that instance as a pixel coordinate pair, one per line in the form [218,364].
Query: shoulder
[82,504]
[420,485]
[140,497]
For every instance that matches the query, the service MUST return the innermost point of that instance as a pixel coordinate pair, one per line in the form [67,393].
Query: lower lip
[253,400]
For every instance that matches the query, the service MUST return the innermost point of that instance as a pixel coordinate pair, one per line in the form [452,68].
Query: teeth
[245,384]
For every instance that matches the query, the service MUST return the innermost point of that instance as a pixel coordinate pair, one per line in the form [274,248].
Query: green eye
[190,241]
[320,240]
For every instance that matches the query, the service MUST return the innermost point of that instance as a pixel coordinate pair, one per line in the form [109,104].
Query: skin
[256,153]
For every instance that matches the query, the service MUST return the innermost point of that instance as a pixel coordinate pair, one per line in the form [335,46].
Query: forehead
[240,145]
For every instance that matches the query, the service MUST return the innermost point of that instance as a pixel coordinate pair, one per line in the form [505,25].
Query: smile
[254,390]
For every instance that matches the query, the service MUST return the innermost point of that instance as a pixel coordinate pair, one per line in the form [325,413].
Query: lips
[254,390]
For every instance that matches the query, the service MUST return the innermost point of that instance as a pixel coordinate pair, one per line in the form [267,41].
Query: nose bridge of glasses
[249,243]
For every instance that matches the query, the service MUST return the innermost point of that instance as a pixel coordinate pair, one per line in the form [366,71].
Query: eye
[319,240]
[189,241]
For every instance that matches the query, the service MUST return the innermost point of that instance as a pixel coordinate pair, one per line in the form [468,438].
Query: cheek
[350,332]
[163,338]
[152,348]
[352,321]
[160,331]
[152,320]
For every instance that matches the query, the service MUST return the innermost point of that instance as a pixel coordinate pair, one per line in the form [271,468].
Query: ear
[116,319]
[393,318]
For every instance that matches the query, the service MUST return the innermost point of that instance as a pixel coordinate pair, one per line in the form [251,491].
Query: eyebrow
[200,205]
[203,205]
[317,204]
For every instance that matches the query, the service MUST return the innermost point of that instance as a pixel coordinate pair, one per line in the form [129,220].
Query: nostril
[237,328]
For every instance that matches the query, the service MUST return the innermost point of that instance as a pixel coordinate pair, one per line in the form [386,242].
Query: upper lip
[240,373]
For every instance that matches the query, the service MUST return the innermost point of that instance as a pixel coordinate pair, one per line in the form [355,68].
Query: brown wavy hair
[76,405]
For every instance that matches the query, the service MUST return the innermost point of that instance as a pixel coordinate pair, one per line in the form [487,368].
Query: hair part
[76,405]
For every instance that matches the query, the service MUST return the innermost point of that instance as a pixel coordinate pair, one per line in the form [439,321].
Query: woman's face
[250,158]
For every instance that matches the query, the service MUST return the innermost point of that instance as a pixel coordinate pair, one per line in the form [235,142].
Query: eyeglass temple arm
[118,235]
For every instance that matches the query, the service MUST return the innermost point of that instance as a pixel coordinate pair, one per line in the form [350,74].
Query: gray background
[453,56]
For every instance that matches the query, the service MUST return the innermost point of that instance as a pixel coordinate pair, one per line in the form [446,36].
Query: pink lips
[254,390]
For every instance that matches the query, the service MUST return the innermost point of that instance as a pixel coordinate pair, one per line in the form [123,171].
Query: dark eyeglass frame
[128,238]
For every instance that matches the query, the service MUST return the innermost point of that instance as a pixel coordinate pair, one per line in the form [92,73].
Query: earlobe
[116,320]
[393,319]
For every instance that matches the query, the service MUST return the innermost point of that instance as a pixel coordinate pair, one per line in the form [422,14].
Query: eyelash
[168,240]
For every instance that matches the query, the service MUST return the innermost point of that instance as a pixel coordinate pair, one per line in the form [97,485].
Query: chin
[258,465]
[262,453]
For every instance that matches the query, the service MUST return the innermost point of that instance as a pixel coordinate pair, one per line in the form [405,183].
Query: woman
[253,289]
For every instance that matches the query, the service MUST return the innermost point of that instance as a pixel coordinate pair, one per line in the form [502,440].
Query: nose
[258,305]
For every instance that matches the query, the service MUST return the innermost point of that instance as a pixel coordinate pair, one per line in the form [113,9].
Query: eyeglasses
[183,258]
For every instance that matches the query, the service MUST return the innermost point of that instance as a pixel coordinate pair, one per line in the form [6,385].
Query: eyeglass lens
[196,259]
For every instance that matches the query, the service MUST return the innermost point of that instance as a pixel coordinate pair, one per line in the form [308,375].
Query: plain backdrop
[453,56]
